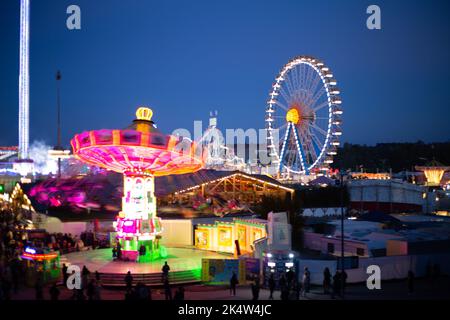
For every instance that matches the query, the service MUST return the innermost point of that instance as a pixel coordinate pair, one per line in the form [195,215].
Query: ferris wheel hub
[293,115]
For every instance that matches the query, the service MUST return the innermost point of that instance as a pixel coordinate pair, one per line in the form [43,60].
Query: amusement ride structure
[303,118]
[434,171]
[218,155]
[140,152]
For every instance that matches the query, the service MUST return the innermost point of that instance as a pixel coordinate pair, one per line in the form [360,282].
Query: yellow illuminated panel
[257,234]
[241,234]
[202,239]
[225,236]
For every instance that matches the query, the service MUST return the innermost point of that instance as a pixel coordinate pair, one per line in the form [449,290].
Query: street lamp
[341,178]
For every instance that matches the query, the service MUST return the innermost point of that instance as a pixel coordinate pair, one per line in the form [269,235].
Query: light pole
[58,119]
[341,177]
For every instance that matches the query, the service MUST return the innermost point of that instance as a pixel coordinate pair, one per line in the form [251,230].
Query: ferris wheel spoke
[317,142]
[281,105]
[320,106]
[305,75]
[290,84]
[280,128]
[314,84]
[287,84]
[308,142]
[316,97]
[321,118]
[311,73]
[285,95]
[319,129]
[296,77]
[308,93]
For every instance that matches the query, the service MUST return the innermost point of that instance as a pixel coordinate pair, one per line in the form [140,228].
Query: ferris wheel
[303,117]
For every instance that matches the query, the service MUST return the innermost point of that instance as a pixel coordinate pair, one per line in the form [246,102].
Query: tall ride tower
[24,79]
[23,165]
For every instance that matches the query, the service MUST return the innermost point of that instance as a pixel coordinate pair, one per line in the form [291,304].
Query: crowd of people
[291,287]
[142,292]
[15,236]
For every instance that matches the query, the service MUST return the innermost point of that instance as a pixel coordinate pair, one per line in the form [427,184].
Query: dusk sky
[185,58]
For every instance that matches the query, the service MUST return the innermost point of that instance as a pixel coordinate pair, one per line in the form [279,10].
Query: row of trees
[395,156]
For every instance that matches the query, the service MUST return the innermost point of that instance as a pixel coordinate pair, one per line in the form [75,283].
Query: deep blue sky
[185,58]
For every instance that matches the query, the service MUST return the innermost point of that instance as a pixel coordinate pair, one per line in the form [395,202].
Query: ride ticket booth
[40,264]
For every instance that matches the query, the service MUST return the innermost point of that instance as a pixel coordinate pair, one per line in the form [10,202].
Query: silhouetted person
[282,282]
[255,289]
[306,281]
[167,290]
[165,271]
[285,293]
[326,281]
[80,295]
[255,292]
[142,250]
[119,251]
[114,253]
[233,283]
[179,294]
[271,285]
[129,294]
[39,290]
[129,280]
[85,276]
[97,276]
[336,284]
[142,291]
[65,275]
[289,277]
[54,292]
[344,281]
[91,290]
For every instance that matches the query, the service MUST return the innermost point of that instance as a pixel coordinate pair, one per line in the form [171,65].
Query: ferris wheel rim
[332,102]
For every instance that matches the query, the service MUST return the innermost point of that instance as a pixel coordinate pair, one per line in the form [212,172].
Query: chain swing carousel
[140,152]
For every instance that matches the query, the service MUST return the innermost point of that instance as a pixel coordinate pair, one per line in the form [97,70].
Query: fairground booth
[40,265]
[219,193]
[238,235]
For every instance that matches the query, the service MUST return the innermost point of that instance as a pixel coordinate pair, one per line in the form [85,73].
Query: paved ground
[424,289]
[179,259]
